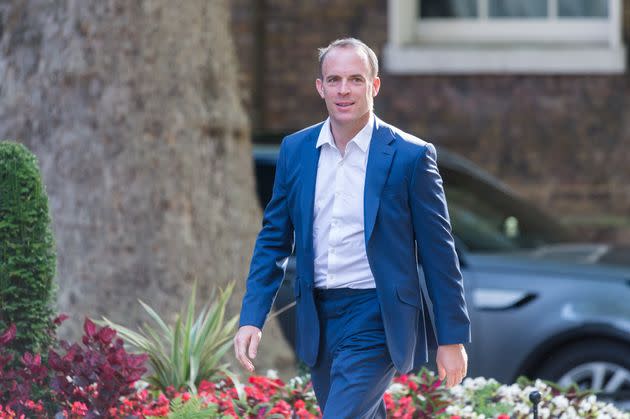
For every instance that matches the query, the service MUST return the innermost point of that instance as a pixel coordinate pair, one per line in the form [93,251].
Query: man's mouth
[344,104]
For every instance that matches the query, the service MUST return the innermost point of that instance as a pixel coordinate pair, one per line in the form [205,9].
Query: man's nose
[344,88]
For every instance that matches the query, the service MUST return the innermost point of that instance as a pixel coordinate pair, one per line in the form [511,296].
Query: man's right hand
[246,343]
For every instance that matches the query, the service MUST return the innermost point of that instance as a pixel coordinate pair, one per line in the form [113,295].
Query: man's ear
[376,86]
[319,85]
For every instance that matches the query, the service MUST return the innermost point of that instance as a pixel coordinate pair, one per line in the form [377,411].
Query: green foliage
[488,403]
[27,251]
[191,351]
[191,409]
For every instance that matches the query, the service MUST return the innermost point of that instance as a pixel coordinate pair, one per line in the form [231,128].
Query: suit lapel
[379,162]
[310,158]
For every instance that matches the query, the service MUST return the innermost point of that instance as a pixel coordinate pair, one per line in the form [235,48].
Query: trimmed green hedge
[27,251]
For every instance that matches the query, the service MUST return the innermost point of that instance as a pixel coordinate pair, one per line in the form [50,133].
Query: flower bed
[409,396]
[99,379]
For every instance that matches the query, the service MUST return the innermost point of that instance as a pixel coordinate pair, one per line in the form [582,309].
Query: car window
[486,218]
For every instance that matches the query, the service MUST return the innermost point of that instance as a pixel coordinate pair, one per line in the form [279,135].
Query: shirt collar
[362,139]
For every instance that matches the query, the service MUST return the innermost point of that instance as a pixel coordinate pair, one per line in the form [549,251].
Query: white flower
[140,385]
[296,381]
[395,388]
[272,374]
[452,410]
[457,391]
[561,403]
[509,392]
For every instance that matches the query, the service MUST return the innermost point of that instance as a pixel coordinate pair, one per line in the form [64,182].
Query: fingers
[441,372]
[253,345]
[452,362]
[240,343]
[247,338]
[452,376]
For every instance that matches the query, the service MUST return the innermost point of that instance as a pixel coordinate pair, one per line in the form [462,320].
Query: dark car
[541,303]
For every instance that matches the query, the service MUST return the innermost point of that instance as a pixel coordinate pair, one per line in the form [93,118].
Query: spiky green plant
[192,350]
[27,251]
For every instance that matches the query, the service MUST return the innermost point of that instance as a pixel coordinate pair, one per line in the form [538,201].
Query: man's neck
[343,133]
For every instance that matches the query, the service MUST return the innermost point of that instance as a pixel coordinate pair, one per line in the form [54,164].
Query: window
[499,36]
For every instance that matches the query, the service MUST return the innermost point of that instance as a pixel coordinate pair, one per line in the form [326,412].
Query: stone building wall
[561,141]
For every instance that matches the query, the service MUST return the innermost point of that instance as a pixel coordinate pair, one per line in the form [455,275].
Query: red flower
[206,386]
[79,408]
[281,408]
[256,394]
[503,416]
[390,404]
[303,413]
[299,404]
[413,385]
[403,379]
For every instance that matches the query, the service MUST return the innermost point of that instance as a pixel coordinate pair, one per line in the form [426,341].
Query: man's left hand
[452,363]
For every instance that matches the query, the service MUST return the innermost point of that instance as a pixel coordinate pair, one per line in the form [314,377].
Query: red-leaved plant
[96,374]
[16,383]
[423,396]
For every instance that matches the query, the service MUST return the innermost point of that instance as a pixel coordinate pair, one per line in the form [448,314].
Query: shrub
[27,253]
[92,378]
[18,383]
[191,351]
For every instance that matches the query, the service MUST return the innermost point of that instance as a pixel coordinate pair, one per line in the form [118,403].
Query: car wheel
[601,366]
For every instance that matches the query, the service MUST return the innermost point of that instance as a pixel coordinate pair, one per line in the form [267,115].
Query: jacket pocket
[409,295]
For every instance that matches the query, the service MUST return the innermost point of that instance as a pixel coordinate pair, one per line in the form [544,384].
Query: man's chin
[345,117]
[353,117]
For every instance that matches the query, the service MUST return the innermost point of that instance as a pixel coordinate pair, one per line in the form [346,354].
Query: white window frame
[506,45]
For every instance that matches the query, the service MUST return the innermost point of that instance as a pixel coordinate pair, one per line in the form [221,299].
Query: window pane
[583,8]
[448,8]
[486,218]
[517,8]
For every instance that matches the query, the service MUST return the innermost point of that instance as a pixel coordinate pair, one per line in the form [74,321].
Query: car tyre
[601,365]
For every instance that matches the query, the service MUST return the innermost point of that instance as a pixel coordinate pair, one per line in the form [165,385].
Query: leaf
[8,335]
[165,329]
[89,328]
[189,351]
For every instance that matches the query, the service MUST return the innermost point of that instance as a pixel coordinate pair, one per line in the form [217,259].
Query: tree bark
[133,111]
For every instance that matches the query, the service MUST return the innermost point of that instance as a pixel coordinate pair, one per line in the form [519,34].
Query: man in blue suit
[362,204]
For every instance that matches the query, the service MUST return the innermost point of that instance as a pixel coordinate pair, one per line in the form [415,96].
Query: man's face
[347,86]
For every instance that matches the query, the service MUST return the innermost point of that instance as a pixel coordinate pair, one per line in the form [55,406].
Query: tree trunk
[133,110]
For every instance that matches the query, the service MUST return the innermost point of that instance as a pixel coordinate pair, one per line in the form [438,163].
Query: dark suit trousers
[353,367]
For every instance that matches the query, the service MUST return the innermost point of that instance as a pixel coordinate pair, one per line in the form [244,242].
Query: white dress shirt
[338,225]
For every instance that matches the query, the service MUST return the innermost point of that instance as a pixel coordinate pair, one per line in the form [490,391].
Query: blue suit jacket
[406,224]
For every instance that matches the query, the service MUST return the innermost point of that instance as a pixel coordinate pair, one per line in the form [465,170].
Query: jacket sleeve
[273,245]
[436,250]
